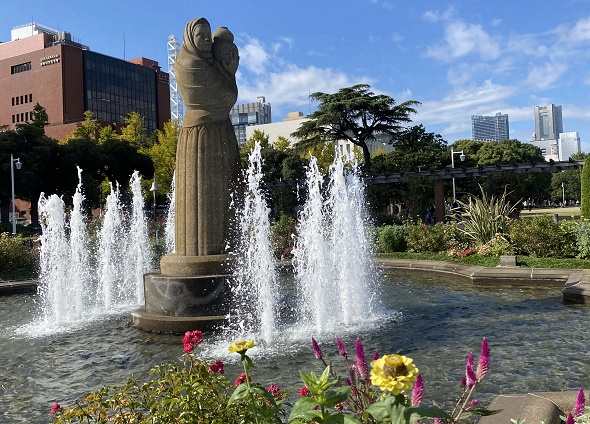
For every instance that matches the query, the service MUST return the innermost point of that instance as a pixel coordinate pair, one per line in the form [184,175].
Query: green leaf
[240,393]
[334,397]
[417,412]
[304,409]
[340,419]
[263,392]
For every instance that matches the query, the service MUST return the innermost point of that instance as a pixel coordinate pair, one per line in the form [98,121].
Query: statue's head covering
[190,39]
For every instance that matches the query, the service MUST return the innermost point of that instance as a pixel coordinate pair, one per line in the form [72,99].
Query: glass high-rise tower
[490,128]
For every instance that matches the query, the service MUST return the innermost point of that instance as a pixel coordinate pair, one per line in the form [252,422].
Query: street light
[153,190]
[18,164]
[462,157]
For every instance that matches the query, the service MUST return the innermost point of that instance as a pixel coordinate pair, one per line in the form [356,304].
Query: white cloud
[543,77]
[463,39]
[436,16]
[290,88]
[580,31]
[253,56]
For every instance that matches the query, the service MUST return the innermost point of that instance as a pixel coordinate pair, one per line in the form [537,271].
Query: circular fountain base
[189,293]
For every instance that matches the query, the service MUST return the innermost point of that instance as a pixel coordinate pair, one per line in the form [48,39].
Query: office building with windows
[568,144]
[548,122]
[247,114]
[490,128]
[50,67]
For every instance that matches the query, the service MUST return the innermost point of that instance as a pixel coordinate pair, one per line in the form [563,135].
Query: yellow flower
[241,346]
[394,373]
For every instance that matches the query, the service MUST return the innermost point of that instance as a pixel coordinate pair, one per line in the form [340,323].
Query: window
[17,100]
[22,67]
[13,101]
[13,119]
[30,97]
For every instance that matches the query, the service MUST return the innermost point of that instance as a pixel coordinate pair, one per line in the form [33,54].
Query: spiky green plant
[486,217]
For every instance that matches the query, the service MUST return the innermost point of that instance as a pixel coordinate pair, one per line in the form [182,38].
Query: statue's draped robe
[207,156]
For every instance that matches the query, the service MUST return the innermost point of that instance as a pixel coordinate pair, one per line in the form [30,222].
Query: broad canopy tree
[355,114]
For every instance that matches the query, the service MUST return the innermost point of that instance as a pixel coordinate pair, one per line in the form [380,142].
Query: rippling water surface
[537,342]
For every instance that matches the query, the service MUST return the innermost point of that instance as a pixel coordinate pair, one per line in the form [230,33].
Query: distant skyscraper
[568,144]
[247,114]
[548,122]
[490,128]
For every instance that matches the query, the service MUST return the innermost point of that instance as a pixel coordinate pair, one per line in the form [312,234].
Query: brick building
[49,67]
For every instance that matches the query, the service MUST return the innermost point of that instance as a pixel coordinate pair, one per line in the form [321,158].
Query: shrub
[282,236]
[486,217]
[426,238]
[18,253]
[585,189]
[496,247]
[392,238]
[583,239]
[540,236]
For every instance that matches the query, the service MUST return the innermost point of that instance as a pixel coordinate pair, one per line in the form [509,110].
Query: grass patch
[571,263]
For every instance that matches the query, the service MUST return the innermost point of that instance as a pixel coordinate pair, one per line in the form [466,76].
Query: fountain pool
[537,344]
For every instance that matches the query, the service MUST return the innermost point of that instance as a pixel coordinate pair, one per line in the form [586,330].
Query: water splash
[332,255]
[79,282]
[169,228]
[255,287]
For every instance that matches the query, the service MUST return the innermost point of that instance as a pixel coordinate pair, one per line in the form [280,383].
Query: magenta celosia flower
[418,391]
[580,404]
[472,405]
[375,356]
[304,391]
[463,382]
[570,419]
[483,365]
[341,348]
[469,372]
[361,360]
[55,407]
[316,349]
[438,421]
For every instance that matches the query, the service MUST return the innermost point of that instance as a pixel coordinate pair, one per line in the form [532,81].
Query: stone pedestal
[189,293]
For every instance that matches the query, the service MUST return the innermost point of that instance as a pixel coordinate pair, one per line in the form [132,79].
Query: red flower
[217,367]
[188,348]
[304,391]
[241,379]
[55,408]
[193,337]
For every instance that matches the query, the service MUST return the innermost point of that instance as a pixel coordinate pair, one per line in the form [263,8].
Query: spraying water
[79,283]
[169,228]
[332,255]
[255,286]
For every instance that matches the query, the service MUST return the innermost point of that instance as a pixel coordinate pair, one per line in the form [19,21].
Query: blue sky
[457,59]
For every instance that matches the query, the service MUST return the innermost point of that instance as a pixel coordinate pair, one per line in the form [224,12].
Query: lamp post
[462,157]
[563,194]
[18,164]
[153,190]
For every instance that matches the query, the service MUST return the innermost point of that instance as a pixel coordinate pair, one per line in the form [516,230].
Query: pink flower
[580,403]
[469,373]
[217,367]
[241,379]
[418,391]
[570,419]
[375,356]
[193,337]
[361,360]
[188,348]
[483,365]
[55,408]
[274,390]
[316,349]
[341,348]
[473,404]
[304,391]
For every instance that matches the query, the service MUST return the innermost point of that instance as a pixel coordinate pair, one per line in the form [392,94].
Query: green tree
[282,143]
[40,118]
[568,181]
[163,154]
[135,131]
[357,115]
[87,129]
[107,133]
